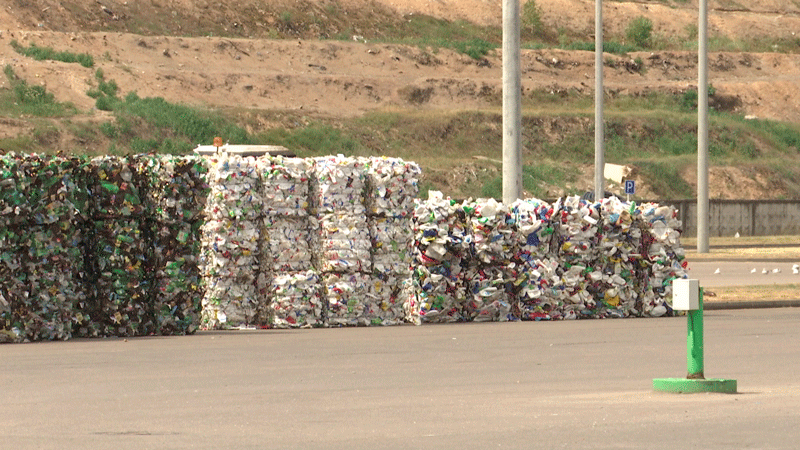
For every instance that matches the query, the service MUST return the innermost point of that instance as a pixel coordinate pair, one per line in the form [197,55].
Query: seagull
[716,271]
[753,271]
[776,270]
[736,235]
[765,271]
[796,269]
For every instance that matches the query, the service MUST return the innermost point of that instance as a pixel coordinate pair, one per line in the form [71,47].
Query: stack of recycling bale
[337,200]
[489,276]
[663,257]
[120,252]
[176,199]
[391,189]
[14,211]
[233,255]
[44,203]
[572,259]
[620,264]
[576,227]
[291,236]
[441,251]
[533,266]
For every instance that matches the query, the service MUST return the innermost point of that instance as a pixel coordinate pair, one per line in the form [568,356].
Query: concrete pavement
[525,385]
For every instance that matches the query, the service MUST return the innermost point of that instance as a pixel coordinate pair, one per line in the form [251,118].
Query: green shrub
[474,48]
[109,130]
[531,19]
[639,31]
[47,53]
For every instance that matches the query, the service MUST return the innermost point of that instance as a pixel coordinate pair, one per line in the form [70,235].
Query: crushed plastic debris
[159,244]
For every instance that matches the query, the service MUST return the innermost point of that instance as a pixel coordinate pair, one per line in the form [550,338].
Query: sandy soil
[341,78]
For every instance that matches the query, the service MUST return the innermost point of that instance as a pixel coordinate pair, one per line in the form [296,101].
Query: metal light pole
[702,130]
[599,127]
[512,110]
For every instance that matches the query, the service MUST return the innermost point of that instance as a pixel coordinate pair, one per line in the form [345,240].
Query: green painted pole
[694,341]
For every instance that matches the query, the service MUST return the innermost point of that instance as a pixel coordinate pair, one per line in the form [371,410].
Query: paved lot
[531,385]
[735,273]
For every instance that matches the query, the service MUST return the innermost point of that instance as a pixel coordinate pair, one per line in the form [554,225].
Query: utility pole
[599,127]
[512,109]
[702,129]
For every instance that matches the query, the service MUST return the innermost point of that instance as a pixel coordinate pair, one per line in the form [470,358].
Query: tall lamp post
[702,129]
[512,110]
[599,127]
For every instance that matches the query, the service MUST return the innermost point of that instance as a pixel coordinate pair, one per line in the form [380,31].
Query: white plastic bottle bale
[392,241]
[441,293]
[286,186]
[345,297]
[337,185]
[297,302]
[291,241]
[344,243]
[392,186]
[235,188]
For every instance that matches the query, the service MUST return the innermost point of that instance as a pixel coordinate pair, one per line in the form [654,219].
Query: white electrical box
[685,295]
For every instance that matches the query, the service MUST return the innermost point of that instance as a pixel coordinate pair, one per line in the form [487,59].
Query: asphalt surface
[736,273]
[525,385]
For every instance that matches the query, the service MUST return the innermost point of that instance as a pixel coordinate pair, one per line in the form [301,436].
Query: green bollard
[695,380]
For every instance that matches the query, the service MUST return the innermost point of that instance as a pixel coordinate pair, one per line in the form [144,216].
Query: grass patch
[47,53]
[25,99]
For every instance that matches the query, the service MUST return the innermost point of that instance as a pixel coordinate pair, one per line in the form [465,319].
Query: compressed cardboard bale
[235,188]
[237,302]
[391,187]
[122,254]
[291,242]
[345,297]
[286,186]
[337,185]
[392,245]
[178,187]
[116,187]
[297,300]
[344,243]
[441,293]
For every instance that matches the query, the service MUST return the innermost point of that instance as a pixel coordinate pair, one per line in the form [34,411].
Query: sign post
[687,296]
[630,188]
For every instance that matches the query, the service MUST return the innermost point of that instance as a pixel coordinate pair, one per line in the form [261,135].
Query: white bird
[716,271]
[796,269]
[776,270]
[764,271]
[736,235]
[753,271]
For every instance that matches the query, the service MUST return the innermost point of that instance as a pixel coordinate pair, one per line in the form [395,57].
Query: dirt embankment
[145,46]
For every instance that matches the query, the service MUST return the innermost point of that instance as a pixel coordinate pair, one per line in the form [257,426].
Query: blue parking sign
[630,187]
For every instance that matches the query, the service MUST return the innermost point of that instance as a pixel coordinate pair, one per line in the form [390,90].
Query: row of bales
[160,244]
